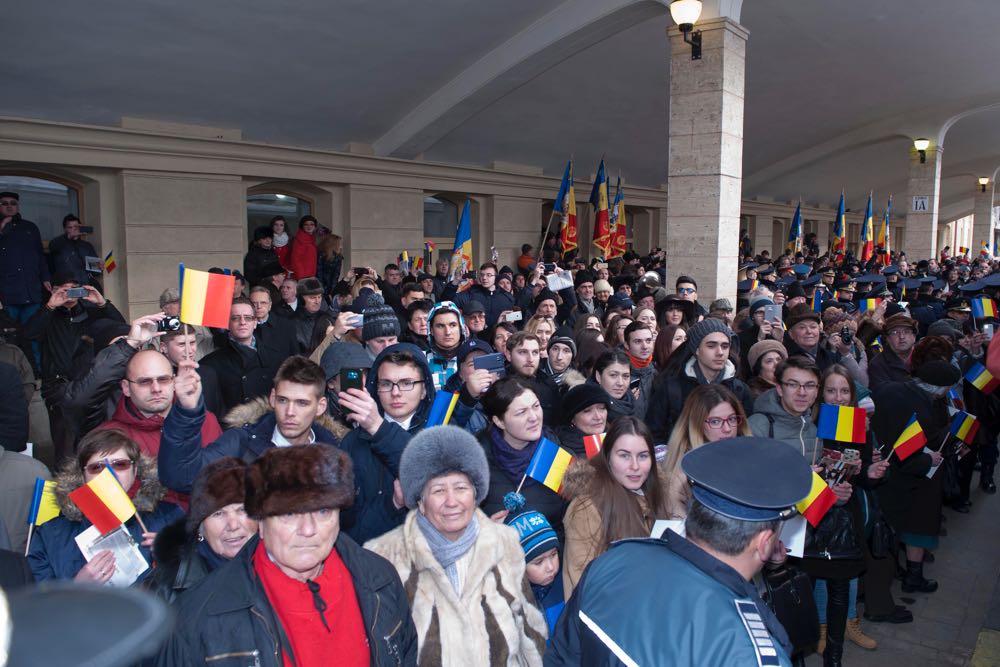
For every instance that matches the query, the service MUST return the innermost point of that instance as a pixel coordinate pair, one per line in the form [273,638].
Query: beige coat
[493,622]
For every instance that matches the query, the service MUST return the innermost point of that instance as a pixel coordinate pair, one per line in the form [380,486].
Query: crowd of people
[296,504]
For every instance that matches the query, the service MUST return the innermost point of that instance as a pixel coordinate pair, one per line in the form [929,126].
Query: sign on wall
[920,203]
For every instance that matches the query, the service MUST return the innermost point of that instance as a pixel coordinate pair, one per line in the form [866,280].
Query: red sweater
[302,261]
[345,643]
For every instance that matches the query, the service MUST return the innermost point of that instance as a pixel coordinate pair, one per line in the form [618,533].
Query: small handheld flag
[109,262]
[911,440]
[984,306]
[819,501]
[982,379]
[817,302]
[43,503]
[962,250]
[876,344]
[592,444]
[956,399]
[866,305]
[548,464]
[206,298]
[429,246]
[841,423]
[442,408]
[964,427]
[104,502]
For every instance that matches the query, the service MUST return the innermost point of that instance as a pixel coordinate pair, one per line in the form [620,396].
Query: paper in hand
[129,562]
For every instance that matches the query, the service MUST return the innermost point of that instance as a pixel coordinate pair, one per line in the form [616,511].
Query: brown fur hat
[220,483]
[299,479]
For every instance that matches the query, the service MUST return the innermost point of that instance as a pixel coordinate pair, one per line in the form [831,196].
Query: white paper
[793,534]
[930,473]
[558,281]
[129,562]
[661,525]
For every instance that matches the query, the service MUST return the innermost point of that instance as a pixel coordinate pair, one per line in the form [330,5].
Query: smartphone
[490,362]
[550,267]
[772,313]
[601,265]
[86,229]
[77,293]
[988,331]
[351,378]
[360,271]
[357,321]
[515,316]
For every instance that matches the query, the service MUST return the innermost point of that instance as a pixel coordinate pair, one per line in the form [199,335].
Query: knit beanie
[760,348]
[758,304]
[563,340]
[220,483]
[701,329]
[299,479]
[947,327]
[438,451]
[339,356]
[543,295]
[535,531]
[602,286]
[581,397]
[380,319]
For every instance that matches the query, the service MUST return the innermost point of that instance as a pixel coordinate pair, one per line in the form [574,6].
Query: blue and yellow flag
[461,253]
[548,464]
[795,231]
[565,206]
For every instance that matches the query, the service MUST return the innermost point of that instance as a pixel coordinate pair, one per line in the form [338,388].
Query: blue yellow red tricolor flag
[565,205]
[982,379]
[817,301]
[984,306]
[461,253]
[964,426]
[819,501]
[602,219]
[840,228]
[795,231]
[109,262]
[104,502]
[867,242]
[956,399]
[882,242]
[841,423]
[592,444]
[548,464]
[864,305]
[618,235]
[911,440]
[206,298]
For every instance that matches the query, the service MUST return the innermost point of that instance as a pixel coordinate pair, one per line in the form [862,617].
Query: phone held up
[351,378]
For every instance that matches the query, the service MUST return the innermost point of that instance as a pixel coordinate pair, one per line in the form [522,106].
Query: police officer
[676,601]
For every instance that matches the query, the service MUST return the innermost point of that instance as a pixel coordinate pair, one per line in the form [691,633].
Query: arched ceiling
[835,90]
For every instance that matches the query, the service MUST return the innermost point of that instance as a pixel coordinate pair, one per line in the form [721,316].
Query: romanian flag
[962,250]
[592,444]
[419,264]
[109,262]
[866,247]
[441,409]
[956,399]
[429,246]
[461,253]
[964,427]
[565,205]
[104,502]
[206,298]
[754,284]
[403,260]
[882,242]
[548,464]
[795,231]
[819,501]
[984,306]
[602,219]
[865,305]
[43,503]
[840,229]
[911,440]
[982,379]
[985,249]
[841,423]
[618,236]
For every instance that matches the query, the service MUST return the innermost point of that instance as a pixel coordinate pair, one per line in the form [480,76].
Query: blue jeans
[819,592]
[22,313]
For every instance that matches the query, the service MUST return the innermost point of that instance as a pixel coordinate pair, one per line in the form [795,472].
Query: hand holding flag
[819,501]
[548,464]
[104,502]
[911,440]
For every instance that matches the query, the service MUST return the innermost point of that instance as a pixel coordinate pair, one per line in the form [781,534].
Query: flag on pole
[962,250]
[599,200]
[109,262]
[429,246]
[817,301]
[461,253]
[819,501]
[206,298]
[442,408]
[956,399]
[618,233]
[548,464]
[43,503]
[984,251]
[565,205]
[592,444]
[911,440]
[964,426]
[840,228]
[882,242]
[795,231]
[104,502]
[982,379]
[841,423]
[984,306]
[867,243]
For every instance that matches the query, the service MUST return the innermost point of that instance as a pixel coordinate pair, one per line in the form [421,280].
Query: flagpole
[141,524]
[31,530]
[545,235]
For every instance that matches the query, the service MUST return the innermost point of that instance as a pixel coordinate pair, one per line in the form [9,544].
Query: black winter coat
[65,354]
[254,262]
[886,366]
[670,393]
[66,256]
[245,373]
[494,302]
[13,410]
[228,617]
[179,566]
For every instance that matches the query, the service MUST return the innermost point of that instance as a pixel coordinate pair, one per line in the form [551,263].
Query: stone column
[982,223]
[705,159]
[922,192]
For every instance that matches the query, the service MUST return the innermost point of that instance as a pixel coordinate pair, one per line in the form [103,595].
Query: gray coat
[770,420]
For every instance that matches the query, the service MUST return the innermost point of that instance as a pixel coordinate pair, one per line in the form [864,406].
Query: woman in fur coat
[465,574]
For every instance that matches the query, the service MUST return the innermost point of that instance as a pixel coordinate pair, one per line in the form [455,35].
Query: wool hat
[563,339]
[263,232]
[339,356]
[380,319]
[360,301]
[473,345]
[581,397]
[583,277]
[758,304]
[938,373]
[299,479]
[899,321]
[894,309]
[760,348]
[947,327]
[535,532]
[801,313]
[220,483]
[437,451]
[794,290]
[602,286]
[721,304]
[543,295]
[309,287]
[701,329]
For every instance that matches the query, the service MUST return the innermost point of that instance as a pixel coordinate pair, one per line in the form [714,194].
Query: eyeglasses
[146,383]
[686,290]
[717,422]
[795,386]
[242,318]
[899,333]
[386,386]
[118,465]
[8,202]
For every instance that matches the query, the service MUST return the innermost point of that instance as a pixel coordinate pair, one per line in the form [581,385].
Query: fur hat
[298,479]
[701,329]
[218,484]
[760,348]
[802,313]
[938,373]
[309,287]
[438,451]
[380,319]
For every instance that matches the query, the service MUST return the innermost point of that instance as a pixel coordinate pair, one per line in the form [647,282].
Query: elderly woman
[214,531]
[584,410]
[464,574]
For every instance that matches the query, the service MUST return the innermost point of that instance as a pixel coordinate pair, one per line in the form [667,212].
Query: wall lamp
[983,182]
[685,13]
[921,145]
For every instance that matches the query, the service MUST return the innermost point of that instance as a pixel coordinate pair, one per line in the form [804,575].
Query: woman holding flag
[54,554]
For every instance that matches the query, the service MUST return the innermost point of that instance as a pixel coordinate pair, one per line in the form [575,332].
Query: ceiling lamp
[921,145]
[983,182]
[685,14]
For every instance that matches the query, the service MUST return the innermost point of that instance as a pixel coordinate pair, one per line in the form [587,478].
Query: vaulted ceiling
[836,91]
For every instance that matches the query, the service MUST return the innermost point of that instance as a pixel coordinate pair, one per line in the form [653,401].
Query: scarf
[445,551]
[212,559]
[513,462]
[637,362]
[280,240]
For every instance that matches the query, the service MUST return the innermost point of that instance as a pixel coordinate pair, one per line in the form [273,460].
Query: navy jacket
[494,302]
[23,268]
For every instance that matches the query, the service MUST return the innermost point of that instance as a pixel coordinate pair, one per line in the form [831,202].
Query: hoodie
[443,364]
[771,420]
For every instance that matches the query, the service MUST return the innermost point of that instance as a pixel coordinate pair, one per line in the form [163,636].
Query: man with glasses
[687,289]
[276,329]
[494,301]
[785,412]
[245,364]
[892,364]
